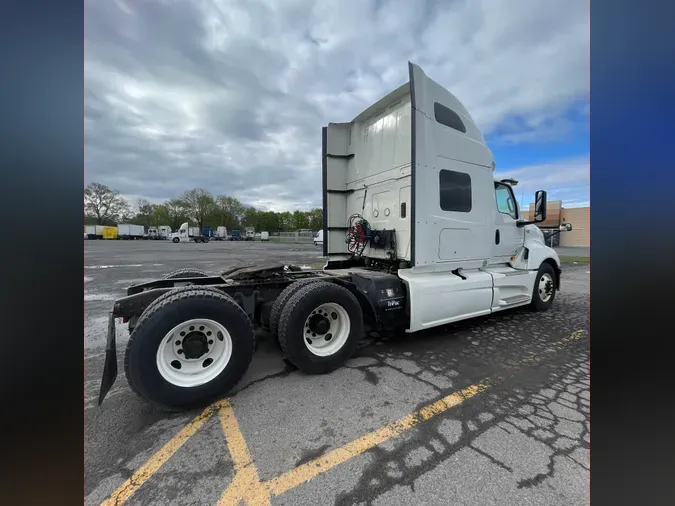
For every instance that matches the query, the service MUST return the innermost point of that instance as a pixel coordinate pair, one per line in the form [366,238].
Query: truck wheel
[186,273]
[206,239]
[132,323]
[282,299]
[320,327]
[189,348]
[176,240]
[544,288]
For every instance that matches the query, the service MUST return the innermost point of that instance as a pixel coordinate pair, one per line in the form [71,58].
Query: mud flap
[110,366]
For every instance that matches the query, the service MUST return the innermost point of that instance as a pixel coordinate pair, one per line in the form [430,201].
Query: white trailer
[129,231]
[90,231]
[418,233]
[194,232]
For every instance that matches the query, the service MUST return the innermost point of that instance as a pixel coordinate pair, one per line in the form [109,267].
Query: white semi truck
[417,231]
[221,234]
[186,234]
[250,234]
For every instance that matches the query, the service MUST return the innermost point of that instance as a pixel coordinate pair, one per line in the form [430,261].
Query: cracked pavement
[524,440]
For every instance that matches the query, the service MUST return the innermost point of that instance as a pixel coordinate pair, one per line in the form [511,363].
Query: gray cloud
[231,96]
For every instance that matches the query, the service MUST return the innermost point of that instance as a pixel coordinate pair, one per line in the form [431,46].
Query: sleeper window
[455,189]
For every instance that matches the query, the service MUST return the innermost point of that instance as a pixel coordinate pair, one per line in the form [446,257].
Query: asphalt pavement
[488,411]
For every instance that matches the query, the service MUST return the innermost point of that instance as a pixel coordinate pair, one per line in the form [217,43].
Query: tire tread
[166,299]
[300,297]
[281,301]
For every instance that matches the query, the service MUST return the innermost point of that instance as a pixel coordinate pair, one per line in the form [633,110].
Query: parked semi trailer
[431,238]
[110,233]
[128,231]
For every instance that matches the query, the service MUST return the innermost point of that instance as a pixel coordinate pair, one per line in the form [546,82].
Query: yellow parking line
[313,468]
[246,482]
[130,486]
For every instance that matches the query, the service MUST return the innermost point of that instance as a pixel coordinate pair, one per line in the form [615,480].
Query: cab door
[508,237]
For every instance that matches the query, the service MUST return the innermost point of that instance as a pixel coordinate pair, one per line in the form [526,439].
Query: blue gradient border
[632,117]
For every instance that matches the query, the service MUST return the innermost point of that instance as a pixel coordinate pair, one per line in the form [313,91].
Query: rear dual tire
[320,327]
[282,299]
[181,371]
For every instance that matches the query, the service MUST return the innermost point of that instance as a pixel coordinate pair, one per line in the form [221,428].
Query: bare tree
[228,211]
[104,204]
[199,204]
[176,212]
[144,212]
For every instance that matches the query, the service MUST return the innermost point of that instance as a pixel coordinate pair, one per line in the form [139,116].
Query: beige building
[556,215]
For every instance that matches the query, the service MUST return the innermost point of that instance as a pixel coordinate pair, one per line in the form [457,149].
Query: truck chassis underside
[255,288]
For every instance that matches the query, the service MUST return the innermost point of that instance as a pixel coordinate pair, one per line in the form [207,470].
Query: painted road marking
[246,484]
[313,468]
[252,491]
[130,486]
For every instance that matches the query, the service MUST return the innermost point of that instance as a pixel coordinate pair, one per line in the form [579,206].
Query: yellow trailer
[110,232]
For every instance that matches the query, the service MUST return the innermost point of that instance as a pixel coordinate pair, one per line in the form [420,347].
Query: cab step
[514,299]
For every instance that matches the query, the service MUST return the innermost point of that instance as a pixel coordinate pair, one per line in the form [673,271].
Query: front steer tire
[168,311]
[543,292]
[293,319]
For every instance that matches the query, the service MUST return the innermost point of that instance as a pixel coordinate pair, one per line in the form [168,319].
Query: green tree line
[105,206]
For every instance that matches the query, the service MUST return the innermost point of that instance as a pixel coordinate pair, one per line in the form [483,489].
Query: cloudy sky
[231,95]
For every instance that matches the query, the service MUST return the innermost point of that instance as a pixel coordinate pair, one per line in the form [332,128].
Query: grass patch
[581,260]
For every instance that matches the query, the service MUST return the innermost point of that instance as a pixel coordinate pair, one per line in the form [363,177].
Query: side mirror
[566,227]
[539,209]
[539,206]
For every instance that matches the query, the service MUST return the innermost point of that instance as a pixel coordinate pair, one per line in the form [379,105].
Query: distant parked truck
[164,231]
[208,232]
[153,233]
[235,236]
[90,231]
[110,232]
[318,238]
[128,231]
[221,234]
[264,236]
[183,234]
[250,234]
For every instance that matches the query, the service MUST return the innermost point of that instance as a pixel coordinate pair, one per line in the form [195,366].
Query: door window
[506,203]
